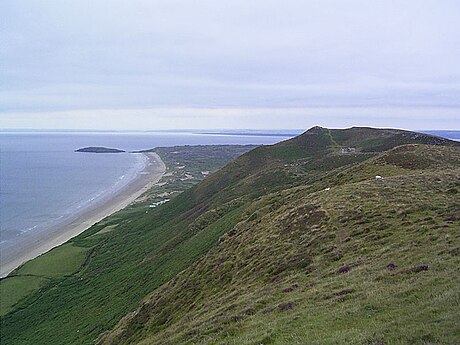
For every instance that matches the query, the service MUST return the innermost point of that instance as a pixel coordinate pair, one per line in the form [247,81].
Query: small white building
[348,149]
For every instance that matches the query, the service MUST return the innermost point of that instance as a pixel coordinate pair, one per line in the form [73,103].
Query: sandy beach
[73,226]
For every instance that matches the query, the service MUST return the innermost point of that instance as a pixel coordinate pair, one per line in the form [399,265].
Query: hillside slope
[251,254]
[323,252]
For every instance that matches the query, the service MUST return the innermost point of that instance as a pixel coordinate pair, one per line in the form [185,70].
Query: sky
[208,64]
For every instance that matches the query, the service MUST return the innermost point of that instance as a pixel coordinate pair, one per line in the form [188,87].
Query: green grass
[13,289]
[35,274]
[61,261]
[105,230]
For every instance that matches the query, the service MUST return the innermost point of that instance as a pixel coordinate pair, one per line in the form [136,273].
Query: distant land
[451,134]
[446,133]
[98,149]
[254,132]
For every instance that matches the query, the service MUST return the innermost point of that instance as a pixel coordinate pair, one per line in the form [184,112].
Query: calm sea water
[42,179]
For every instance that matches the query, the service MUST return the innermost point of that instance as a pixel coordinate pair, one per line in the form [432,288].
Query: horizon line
[202,130]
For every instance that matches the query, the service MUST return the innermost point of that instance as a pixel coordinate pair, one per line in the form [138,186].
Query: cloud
[234,118]
[73,56]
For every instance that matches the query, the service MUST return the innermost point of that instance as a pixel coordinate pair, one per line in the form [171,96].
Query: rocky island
[98,149]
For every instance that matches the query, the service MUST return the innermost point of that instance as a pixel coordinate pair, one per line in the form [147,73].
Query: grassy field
[61,261]
[13,289]
[30,277]
[288,244]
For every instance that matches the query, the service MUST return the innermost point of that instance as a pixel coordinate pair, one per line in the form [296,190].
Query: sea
[43,181]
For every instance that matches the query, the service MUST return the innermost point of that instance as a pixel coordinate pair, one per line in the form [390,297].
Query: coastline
[81,221]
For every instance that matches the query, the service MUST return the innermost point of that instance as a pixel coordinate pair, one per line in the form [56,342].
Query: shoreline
[81,221]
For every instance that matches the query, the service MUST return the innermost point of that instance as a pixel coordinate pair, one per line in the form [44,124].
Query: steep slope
[326,254]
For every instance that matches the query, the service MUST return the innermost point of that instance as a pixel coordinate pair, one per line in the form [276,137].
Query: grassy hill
[366,262]
[293,243]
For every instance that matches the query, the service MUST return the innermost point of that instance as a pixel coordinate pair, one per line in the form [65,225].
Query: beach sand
[73,226]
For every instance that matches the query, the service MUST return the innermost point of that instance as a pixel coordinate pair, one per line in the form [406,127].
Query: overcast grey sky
[169,64]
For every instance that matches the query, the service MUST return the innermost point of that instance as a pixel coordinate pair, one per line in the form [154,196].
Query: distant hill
[336,236]
[98,149]
[451,134]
